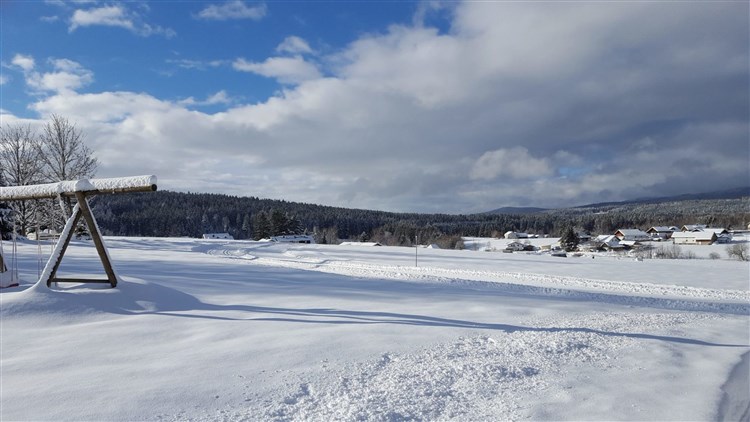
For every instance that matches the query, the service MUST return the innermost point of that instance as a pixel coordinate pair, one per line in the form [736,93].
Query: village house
[693,227]
[694,238]
[722,235]
[632,234]
[662,232]
[609,242]
[518,246]
[516,235]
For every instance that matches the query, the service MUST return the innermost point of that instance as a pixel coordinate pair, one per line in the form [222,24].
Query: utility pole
[416,251]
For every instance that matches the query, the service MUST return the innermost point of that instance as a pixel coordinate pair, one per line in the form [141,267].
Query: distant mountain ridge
[517,210]
[734,193]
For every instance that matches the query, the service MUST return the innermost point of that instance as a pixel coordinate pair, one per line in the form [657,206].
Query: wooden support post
[62,245]
[96,236]
[81,210]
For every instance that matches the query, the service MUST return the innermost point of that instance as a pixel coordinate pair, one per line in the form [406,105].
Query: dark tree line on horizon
[173,214]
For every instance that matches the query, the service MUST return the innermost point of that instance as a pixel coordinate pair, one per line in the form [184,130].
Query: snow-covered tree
[63,153]
[20,165]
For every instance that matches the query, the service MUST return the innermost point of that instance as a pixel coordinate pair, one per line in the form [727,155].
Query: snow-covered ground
[235,330]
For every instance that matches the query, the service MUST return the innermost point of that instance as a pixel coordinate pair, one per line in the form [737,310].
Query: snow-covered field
[235,330]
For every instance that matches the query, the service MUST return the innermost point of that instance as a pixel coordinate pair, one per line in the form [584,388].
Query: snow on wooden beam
[87,186]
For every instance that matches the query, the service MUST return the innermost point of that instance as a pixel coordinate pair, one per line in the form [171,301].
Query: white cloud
[233,10]
[66,76]
[220,97]
[197,64]
[515,162]
[294,45]
[116,16]
[105,16]
[26,63]
[4,79]
[287,70]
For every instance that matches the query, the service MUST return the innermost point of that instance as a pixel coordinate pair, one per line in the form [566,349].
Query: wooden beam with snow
[81,190]
[70,188]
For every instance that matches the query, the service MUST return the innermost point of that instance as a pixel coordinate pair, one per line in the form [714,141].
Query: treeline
[174,214]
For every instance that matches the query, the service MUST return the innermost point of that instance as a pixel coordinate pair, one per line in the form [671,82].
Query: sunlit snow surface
[232,330]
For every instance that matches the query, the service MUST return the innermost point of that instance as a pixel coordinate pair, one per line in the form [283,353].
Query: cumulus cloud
[515,104]
[287,70]
[220,97]
[105,16]
[294,45]
[233,10]
[26,63]
[66,75]
[116,16]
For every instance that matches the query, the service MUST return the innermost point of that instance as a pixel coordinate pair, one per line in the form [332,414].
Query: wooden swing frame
[80,190]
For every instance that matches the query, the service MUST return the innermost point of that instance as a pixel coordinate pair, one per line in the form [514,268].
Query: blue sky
[405,106]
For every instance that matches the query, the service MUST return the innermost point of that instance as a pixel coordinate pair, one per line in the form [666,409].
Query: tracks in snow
[684,298]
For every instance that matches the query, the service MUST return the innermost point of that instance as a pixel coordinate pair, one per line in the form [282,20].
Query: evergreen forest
[174,214]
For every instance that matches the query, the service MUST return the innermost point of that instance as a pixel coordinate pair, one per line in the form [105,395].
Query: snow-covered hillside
[234,330]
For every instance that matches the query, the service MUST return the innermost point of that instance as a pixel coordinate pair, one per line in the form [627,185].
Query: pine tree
[261,226]
[278,223]
[569,240]
[247,225]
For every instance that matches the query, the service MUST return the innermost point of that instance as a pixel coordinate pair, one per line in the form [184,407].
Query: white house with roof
[722,235]
[662,232]
[609,241]
[515,246]
[510,234]
[632,234]
[694,238]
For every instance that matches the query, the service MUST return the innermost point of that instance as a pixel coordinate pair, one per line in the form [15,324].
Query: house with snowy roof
[719,231]
[510,234]
[515,246]
[662,232]
[632,234]
[693,227]
[722,235]
[609,242]
[694,238]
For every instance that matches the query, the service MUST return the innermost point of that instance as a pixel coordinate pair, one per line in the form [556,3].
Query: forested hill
[173,214]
